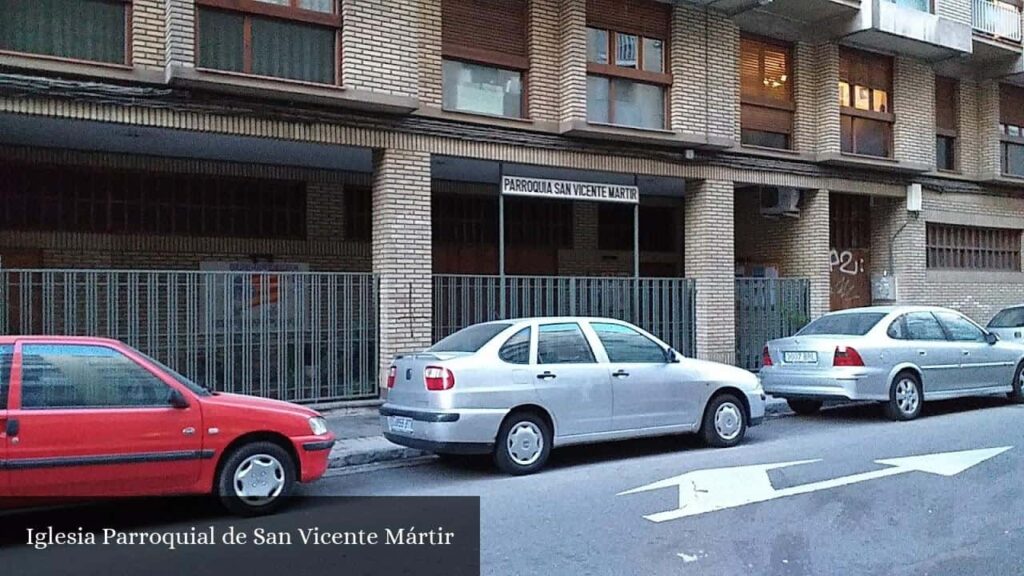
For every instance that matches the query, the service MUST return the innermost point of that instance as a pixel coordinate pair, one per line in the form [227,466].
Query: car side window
[623,344]
[563,344]
[6,358]
[923,326]
[960,329]
[898,329]
[85,376]
[516,350]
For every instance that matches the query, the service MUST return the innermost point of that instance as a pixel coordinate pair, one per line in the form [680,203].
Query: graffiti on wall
[850,281]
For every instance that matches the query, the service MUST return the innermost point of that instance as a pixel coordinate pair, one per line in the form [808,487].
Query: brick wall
[967,151]
[913,101]
[709,260]
[572,82]
[545,60]
[380,41]
[987,138]
[816,93]
[889,216]
[402,251]
[148,33]
[180,32]
[429,53]
[704,97]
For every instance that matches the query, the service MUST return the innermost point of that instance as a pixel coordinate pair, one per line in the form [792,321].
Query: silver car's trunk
[409,389]
[807,352]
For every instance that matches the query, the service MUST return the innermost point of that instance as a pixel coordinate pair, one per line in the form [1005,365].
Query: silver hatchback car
[898,355]
[517,388]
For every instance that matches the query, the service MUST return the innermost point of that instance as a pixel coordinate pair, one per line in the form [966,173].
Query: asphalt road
[570,520]
[843,513]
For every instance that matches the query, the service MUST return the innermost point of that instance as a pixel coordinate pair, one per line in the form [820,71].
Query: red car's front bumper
[314,452]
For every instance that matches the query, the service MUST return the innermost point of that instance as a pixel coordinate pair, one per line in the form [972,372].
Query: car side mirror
[670,356]
[991,337]
[178,400]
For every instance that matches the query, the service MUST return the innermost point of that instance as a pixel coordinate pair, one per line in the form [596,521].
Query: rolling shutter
[644,17]
[484,26]
[945,104]
[765,70]
[1011,105]
[865,69]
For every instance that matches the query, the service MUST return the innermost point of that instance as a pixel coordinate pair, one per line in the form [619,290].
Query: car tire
[725,421]
[254,468]
[906,397]
[804,407]
[523,444]
[1017,394]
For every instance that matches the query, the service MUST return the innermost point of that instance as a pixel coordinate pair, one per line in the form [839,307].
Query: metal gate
[298,336]
[662,306]
[768,308]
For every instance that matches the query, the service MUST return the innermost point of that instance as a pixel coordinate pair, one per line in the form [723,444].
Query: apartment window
[1011,128]
[485,56]
[627,63]
[766,93]
[946,97]
[290,39]
[973,248]
[465,219]
[657,228]
[866,116]
[358,213]
[70,199]
[90,30]
[538,223]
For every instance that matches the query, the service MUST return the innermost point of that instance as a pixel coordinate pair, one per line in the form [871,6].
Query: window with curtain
[946,96]
[627,63]
[1011,129]
[866,116]
[291,39]
[92,30]
[485,55]
[766,93]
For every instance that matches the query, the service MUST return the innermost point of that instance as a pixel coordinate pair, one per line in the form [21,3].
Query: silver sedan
[517,388]
[897,355]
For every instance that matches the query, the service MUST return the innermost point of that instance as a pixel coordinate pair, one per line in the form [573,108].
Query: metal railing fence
[768,308]
[996,18]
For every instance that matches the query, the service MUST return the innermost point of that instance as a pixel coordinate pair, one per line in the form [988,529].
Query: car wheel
[804,407]
[905,397]
[256,478]
[725,421]
[1017,394]
[523,444]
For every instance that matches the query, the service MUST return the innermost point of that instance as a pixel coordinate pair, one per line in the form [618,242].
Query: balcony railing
[997,19]
[919,5]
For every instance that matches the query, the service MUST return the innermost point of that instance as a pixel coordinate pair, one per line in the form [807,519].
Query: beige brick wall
[402,251]
[816,93]
[709,260]
[889,219]
[545,89]
[380,41]
[429,53]
[148,33]
[967,151]
[987,138]
[572,81]
[913,101]
[180,32]
[705,93]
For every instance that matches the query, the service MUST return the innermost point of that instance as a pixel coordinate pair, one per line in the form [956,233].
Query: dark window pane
[871,137]
[597,99]
[563,344]
[615,227]
[1013,158]
[6,357]
[1009,318]
[846,134]
[658,225]
[923,326]
[765,139]
[80,29]
[623,344]
[944,149]
[898,329]
[469,339]
[843,324]
[597,46]
[638,104]
[482,89]
[960,329]
[517,349]
[75,376]
[292,50]
[221,45]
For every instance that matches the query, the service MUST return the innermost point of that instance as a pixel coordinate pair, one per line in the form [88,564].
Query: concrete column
[807,254]
[402,251]
[898,248]
[709,260]
[705,52]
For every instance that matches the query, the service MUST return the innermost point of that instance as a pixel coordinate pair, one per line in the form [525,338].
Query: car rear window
[469,339]
[848,324]
[1009,318]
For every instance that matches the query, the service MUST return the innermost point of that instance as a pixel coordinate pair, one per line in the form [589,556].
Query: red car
[94,418]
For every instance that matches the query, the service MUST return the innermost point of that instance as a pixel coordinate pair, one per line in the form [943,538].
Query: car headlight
[318,425]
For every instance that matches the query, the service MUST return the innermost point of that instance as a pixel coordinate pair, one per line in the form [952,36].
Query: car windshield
[196,388]
[469,339]
[1009,318]
[847,324]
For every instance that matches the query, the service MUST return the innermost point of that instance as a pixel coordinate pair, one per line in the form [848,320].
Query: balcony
[997,29]
[905,28]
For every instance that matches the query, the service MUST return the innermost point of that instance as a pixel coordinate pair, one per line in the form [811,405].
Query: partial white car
[898,355]
[518,388]
[1008,324]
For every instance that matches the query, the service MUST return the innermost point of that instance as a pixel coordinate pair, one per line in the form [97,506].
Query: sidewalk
[360,441]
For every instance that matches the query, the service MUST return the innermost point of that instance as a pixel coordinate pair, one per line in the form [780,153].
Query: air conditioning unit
[780,201]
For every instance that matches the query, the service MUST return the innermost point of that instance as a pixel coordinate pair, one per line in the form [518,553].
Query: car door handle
[965,352]
[922,352]
[620,374]
[545,376]
[12,428]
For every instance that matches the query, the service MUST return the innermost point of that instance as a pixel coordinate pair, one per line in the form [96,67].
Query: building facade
[872,150]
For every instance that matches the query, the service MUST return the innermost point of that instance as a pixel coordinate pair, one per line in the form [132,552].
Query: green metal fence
[768,308]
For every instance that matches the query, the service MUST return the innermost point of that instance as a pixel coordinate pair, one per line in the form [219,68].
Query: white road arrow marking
[703,491]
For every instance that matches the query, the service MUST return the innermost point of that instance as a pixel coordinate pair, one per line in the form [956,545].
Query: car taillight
[766,358]
[438,378]
[391,376]
[846,356]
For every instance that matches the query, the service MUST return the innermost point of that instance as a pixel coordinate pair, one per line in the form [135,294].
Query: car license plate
[800,357]
[400,424]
